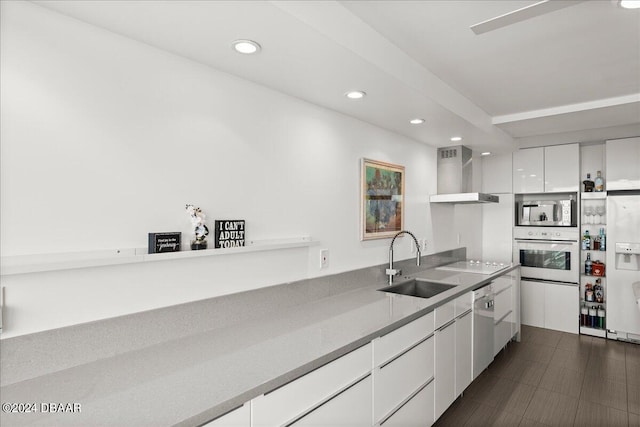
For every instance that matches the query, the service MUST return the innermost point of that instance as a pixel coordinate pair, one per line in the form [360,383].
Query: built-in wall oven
[547,254]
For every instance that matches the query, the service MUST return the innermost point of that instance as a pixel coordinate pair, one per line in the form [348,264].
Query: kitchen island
[216,354]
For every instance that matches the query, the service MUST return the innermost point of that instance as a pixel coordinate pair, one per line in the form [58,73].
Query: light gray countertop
[191,379]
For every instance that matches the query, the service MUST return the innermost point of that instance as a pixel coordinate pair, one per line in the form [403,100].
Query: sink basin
[418,288]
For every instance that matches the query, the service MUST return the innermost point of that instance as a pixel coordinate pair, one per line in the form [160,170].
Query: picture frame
[381,199]
[164,242]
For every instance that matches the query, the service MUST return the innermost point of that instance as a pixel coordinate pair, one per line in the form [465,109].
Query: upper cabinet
[528,170]
[561,168]
[550,169]
[623,164]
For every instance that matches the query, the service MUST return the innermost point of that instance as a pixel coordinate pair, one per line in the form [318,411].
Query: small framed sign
[164,242]
[229,233]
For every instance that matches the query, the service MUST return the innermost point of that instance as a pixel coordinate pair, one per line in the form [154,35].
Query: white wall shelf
[23,264]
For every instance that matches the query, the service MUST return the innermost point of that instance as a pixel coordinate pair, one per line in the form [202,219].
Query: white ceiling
[566,76]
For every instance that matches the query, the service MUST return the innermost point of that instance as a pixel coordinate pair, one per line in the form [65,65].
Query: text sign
[164,242]
[229,233]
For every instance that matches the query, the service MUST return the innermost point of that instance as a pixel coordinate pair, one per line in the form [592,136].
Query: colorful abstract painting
[382,204]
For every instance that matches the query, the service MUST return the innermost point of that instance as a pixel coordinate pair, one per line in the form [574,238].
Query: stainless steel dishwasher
[482,328]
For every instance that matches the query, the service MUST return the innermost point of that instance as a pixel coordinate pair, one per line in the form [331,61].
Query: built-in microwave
[547,213]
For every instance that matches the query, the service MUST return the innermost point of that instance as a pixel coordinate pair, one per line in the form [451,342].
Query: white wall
[105,139]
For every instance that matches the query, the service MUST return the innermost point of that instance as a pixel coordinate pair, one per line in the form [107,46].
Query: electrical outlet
[423,245]
[324,258]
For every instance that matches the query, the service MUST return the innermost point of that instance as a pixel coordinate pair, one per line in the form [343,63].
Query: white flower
[197,220]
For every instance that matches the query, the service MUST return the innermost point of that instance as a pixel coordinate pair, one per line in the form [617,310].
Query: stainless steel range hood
[455,174]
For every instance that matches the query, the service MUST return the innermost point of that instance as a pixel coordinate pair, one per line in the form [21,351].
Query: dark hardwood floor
[553,378]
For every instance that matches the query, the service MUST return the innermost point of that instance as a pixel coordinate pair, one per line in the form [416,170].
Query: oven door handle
[550,282]
[564,242]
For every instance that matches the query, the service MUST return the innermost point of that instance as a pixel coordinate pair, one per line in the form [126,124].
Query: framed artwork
[381,199]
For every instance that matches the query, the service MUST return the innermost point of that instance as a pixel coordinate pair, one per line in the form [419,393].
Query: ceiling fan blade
[522,14]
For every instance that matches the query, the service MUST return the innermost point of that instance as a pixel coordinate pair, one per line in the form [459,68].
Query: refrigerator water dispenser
[628,256]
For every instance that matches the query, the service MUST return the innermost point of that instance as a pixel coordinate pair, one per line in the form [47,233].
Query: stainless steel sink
[418,288]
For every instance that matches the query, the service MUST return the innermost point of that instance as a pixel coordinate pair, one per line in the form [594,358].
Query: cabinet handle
[407,400]
[399,355]
[460,316]
[446,325]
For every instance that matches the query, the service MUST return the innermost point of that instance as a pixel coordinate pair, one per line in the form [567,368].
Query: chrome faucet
[392,271]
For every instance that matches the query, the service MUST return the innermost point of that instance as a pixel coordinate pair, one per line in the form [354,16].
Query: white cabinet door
[532,303]
[561,310]
[464,356]
[528,170]
[352,407]
[418,412]
[445,313]
[445,367]
[550,306]
[562,168]
[503,332]
[240,417]
[497,229]
[623,164]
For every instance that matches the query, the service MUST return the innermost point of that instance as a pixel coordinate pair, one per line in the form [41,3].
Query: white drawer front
[502,304]
[394,343]
[353,407]
[417,412]
[445,313]
[402,377]
[463,303]
[503,282]
[293,399]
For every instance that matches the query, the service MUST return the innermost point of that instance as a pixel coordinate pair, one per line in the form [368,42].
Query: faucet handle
[393,271]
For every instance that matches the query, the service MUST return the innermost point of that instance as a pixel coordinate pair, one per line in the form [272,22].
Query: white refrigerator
[623,265]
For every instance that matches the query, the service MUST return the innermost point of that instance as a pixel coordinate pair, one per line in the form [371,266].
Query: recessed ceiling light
[246,46]
[456,138]
[630,4]
[355,94]
[416,121]
[485,153]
